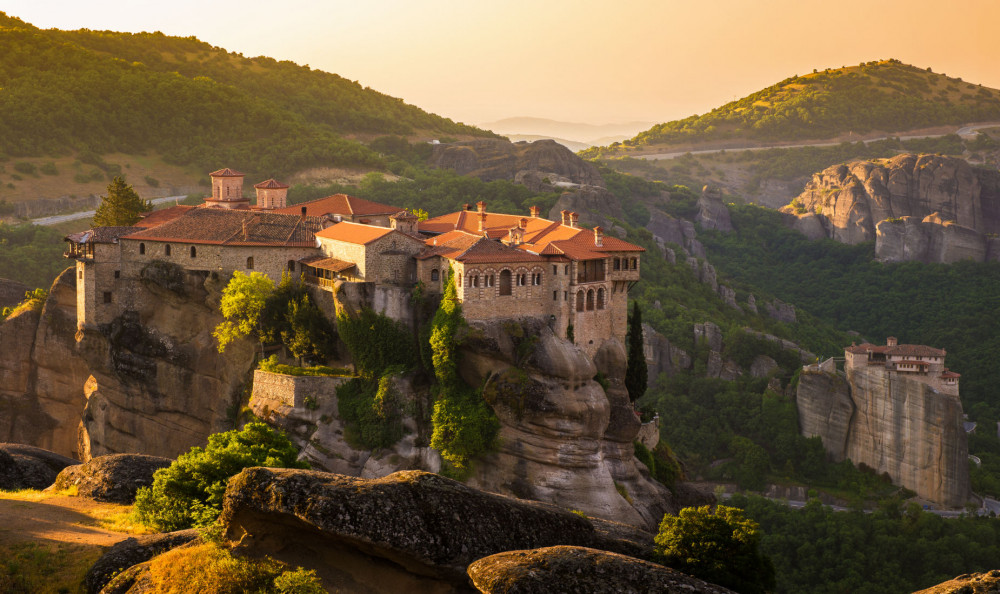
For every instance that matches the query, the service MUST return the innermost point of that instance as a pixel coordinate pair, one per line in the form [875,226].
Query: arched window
[218,190]
[600,298]
[538,278]
[475,281]
[590,300]
[505,282]
[492,280]
[166,250]
[250,263]
[194,252]
[435,275]
[579,301]
[142,249]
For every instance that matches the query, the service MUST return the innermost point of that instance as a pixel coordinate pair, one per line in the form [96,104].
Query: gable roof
[486,251]
[340,204]
[101,235]
[235,227]
[357,233]
[226,172]
[270,184]
[158,217]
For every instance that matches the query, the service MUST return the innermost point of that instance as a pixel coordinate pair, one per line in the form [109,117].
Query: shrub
[376,342]
[189,492]
[25,167]
[271,365]
[371,412]
[49,169]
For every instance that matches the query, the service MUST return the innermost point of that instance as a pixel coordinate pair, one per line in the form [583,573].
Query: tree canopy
[121,207]
[242,306]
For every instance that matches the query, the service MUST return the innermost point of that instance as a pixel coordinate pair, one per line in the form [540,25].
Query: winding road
[56,219]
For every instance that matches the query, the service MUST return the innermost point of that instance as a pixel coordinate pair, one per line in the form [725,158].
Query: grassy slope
[885,96]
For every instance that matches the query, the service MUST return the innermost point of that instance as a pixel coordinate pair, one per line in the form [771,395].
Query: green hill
[192,103]
[886,96]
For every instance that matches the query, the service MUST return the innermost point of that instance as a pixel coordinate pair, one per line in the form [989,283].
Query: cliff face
[849,201]
[892,424]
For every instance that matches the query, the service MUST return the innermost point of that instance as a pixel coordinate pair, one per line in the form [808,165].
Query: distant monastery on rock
[505,265]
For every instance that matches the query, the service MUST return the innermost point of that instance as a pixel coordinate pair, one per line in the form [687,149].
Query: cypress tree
[121,207]
[636,374]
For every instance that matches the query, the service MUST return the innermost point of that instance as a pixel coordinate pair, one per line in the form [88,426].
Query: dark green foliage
[189,492]
[720,546]
[636,373]
[376,343]
[31,254]
[662,464]
[371,412]
[310,335]
[271,364]
[896,549]
[121,206]
[885,95]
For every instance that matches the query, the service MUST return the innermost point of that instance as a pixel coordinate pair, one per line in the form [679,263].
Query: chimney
[598,236]
[303,215]
[466,206]
[523,223]
[244,229]
[891,341]
[565,216]
[481,206]
[482,219]
[535,212]
[574,220]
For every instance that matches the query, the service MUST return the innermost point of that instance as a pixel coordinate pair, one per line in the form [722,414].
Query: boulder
[578,569]
[28,467]
[130,552]
[410,528]
[113,478]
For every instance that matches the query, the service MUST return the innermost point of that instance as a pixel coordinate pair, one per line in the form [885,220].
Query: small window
[118,274]
[566,269]
[618,263]
[194,252]
[142,249]
[555,295]
[435,275]
[107,296]
[565,295]
[250,263]
[81,273]
[555,270]
[635,263]
[166,249]
[291,265]
[579,301]
[492,280]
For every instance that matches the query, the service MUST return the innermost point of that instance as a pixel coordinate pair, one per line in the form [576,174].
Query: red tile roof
[901,350]
[354,233]
[270,184]
[949,374]
[486,251]
[227,172]
[101,235]
[340,204]
[235,227]
[158,217]
[327,263]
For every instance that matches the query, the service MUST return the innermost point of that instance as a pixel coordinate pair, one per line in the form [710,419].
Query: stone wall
[275,390]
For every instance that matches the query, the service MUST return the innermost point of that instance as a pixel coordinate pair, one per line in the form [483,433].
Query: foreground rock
[938,209]
[578,569]
[409,531]
[130,552]
[970,583]
[113,478]
[27,467]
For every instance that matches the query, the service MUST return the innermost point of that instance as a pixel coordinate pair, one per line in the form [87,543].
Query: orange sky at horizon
[584,61]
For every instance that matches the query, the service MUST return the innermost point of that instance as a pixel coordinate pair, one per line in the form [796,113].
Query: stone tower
[271,194]
[227,190]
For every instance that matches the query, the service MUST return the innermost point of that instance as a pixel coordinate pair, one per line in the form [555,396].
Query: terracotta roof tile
[325,263]
[158,217]
[340,204]
[101,234]
[227,172]
[901,350]
[487,251]
[235,227]
[354,233]
[270,184]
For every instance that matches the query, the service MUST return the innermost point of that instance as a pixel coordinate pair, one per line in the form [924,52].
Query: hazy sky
[582,60]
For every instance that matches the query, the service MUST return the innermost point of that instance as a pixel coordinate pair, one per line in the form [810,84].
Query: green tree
[636,374]
[242,305]
[121,207]
[719,546]
[189,492]
[310,334]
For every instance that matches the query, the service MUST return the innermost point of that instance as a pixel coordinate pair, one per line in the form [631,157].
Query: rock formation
[594,204]
[410,531]
[667,229]
[891,423]
[712,212]
[493,159]
[130,552]
[578,569]
[114,478]
[970,583]
[27,467]
[852,201]
[11,292]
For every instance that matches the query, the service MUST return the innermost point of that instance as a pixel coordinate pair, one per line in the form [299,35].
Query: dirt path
[57,519]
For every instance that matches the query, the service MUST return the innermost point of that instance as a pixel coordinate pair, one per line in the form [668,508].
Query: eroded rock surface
[28,467]
[971,583]
[712,211]
[492,159]
[579,569]
[131,552]
[930,239]
[114,478]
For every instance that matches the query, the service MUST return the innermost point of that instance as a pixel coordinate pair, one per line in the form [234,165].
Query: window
[81,273]
[491,280]
[579,301]
[250,263]
[505,282]
[566,269]
[107,296]
[618,263]
[565,295]
[194,252]
[475,281]
[555,295]
[118,274]
[435,275]
[166,250]
[142,249]
[555,270]
[635,264]
[600,298]
[291,265]
[590,300]
[538,278]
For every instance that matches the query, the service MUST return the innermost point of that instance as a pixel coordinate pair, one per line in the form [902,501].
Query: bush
[271,365]
[189,492]
[371,412]
[376,343]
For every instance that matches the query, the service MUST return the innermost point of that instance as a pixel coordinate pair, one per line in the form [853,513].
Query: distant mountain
[570,144]
[589,134]
[194,104]
[886,96]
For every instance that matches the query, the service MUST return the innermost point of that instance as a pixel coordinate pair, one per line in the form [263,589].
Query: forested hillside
[886,96]
[194,104]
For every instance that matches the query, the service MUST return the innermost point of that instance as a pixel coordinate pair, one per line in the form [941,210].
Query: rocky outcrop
[11,292]
[578,569]
[667,229]
[848,203]
[970,583]
[409,531]
[494,159]
[157,383]
[594,205]
[563,439]
[114,478]
[130,552]
[27,467]
[661,355]
[781,311]
[893,424]
[927,240]
[712,211]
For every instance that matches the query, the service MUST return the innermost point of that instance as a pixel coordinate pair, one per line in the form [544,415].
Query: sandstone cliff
[892,424]
[849,202]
